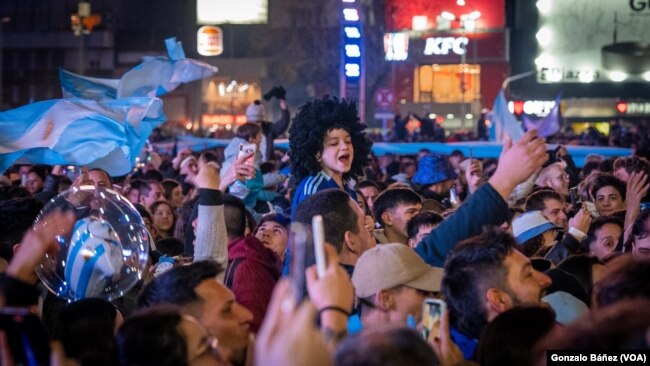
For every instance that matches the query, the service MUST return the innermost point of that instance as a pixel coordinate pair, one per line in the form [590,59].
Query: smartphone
[319,244]
[432,310]
[72,172]
[26,338]
[245,149]
[299,243]
[576,204]
[453,196]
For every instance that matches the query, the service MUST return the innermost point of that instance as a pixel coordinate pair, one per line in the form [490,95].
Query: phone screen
[319,244]
[25,336]
[245,149]
[575,199]
[302,257]
[432,310]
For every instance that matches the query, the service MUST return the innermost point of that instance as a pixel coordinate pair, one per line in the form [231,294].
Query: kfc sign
[444,45]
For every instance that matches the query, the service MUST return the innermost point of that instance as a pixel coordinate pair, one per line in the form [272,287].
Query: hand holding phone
[246,149]
[576,203]
[432,310]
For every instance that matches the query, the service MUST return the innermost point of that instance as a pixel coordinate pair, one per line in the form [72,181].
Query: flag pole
[507,80]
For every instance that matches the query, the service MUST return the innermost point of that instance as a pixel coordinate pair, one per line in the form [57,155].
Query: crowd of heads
[524,254]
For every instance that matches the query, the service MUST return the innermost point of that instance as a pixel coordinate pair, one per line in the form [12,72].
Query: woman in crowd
[173,193]
[164,219]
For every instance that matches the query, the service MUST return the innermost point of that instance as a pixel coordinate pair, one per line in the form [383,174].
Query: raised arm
[488,206]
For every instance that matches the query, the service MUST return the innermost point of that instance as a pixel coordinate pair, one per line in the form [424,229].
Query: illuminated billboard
[420,15]
[233,12]
[585,41]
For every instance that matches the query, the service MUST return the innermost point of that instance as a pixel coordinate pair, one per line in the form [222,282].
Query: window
[444,83]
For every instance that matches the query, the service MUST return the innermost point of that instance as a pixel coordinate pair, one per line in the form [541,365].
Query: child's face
[338,153]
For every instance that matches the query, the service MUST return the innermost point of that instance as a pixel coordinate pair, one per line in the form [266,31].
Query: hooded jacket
[253,270]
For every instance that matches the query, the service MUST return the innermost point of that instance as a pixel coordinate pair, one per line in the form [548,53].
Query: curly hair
[309,128]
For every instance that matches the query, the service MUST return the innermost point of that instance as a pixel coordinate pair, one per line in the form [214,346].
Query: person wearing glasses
[555,177]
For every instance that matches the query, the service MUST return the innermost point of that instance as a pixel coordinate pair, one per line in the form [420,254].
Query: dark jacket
[484,207]
[274,130]
[252,273]
[50,188]
[564,248]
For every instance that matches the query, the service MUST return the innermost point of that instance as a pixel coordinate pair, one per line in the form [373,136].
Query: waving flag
[107,135]
[545,126]
[503,122]
[78,86]
[154,77]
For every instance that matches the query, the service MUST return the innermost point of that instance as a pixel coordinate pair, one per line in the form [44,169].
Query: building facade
[592,53]
[448,58]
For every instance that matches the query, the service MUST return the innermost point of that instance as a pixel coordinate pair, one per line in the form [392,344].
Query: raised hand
[41,239]
[288,335]
[581,220]
[518,161]
[335,289]
[208,176]
[239,169]
[473,175]
[447,351]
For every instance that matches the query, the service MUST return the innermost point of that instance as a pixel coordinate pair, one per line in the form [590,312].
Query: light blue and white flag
[545,126]
[101,134]
[79,86]
[154,77]
[504,123]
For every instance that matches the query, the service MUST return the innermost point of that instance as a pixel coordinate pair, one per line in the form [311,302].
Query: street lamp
[3,20]
[82,24]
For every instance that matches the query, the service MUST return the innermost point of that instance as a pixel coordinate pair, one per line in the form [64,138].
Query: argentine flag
[98,134]
[154,77]
[503,122]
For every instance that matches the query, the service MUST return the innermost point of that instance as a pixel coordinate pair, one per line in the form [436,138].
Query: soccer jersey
[313,184]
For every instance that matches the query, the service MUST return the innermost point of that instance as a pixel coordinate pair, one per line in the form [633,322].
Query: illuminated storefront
[448,57]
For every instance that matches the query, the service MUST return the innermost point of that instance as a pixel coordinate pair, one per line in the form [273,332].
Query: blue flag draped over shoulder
[503,122]
[154,77]
[99,134]
[545,126]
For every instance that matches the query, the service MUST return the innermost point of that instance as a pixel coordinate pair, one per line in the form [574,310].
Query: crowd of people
[528,252]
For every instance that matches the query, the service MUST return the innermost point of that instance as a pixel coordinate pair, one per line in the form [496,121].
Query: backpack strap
[230,272]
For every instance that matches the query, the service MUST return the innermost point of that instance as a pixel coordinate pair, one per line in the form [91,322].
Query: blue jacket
[308,186]
[315,183]
[484,207]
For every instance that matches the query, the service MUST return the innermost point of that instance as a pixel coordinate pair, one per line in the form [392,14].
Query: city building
[448,58]
[591,53]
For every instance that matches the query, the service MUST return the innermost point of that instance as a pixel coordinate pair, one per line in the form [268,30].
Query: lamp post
[83,23]
[3,20]
[467,23]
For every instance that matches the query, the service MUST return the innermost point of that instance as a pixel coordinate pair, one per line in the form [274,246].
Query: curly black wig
[309,128]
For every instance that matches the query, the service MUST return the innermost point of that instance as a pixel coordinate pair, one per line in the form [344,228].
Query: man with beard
[484,276]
